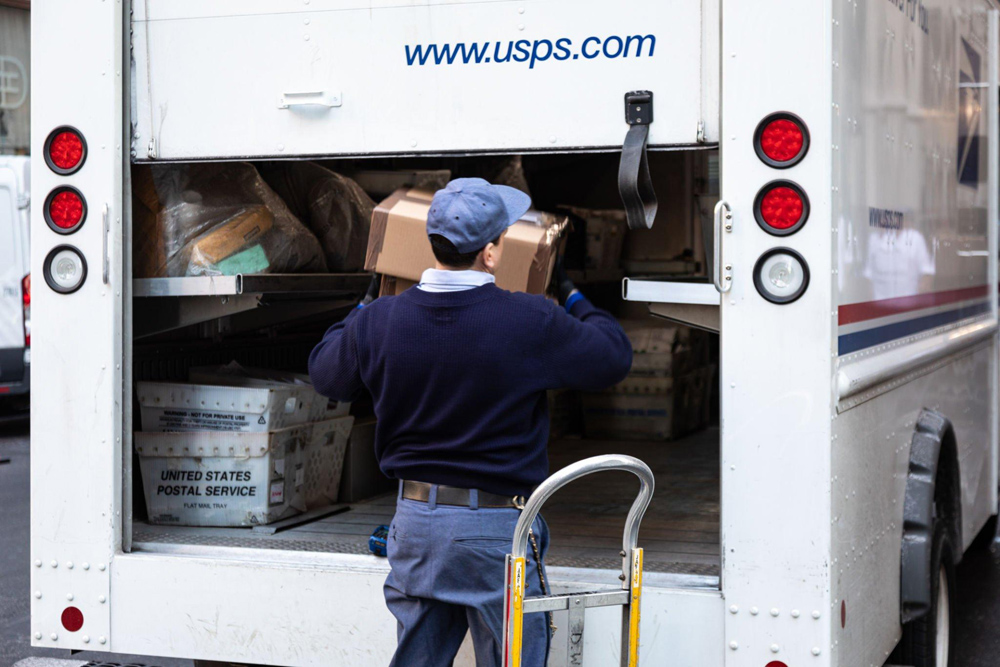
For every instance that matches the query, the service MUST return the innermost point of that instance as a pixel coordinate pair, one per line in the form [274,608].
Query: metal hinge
[700,135]
[151,149]
[23,201]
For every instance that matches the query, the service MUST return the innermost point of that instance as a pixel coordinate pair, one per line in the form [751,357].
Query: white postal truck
[850,270]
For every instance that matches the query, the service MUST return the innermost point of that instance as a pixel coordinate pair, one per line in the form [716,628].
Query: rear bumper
[22,386]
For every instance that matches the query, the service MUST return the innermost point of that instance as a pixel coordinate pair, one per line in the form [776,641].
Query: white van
[15,281]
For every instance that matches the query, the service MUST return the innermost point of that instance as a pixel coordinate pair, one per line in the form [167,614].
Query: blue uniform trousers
[448,578]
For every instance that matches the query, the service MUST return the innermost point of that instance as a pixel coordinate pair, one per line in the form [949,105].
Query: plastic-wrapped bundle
[334,207]
[216,219]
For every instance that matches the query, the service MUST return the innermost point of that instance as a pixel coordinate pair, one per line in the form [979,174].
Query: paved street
[977,643]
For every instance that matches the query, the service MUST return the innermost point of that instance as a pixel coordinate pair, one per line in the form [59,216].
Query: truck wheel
[926,641]
[985,539]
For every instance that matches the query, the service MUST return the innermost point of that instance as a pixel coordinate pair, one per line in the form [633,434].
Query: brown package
[232,236]
[398,244]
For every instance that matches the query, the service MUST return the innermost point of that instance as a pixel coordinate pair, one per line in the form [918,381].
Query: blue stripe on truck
[860,340]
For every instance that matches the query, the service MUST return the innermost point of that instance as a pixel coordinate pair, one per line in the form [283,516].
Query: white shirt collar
[437,280]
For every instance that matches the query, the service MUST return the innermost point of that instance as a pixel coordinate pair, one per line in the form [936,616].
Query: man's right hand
[563,286]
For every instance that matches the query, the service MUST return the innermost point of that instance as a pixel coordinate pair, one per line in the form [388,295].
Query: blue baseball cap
[471,212]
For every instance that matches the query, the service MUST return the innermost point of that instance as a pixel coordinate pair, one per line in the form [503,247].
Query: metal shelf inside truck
[164,304]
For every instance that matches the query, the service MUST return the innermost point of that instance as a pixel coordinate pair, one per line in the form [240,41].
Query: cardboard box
[392,286]
[231,236]
[398,244]
[629,416]
[222,479]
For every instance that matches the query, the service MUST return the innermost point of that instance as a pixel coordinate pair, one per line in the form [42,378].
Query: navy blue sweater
[459,378]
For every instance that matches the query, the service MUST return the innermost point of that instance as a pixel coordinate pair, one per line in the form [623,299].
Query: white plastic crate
[233,374]
[211,478]
[167,406]
[323,456]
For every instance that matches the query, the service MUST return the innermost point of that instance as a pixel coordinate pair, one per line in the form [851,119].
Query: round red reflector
[781,140]
[65,150]
[72,619]
[65,210]
[776,663]
[781,208]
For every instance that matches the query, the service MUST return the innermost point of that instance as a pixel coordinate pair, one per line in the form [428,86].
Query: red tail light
[26,295]
[781,140]
[781,208]
[65,150]
[65,210]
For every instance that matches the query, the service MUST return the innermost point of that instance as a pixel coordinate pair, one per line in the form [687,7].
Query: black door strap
[634,182]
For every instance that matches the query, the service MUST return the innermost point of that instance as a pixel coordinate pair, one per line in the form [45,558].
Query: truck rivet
[754,611]
[795,613]
[520,26]
[53,636]
[775,612]
[54,564]
[101,567]
[69,596]
[103,640]
[305,37]
[306,22]
[69,564]
[816,615]
[733,645]
[775,648]
[816,650]
[734,610]
[86,639]
[38,563]
[86,566]
[520,10]
[38,635]
[102,599]
[38,595]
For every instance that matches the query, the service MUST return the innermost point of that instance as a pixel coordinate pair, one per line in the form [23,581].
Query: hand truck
[516,605]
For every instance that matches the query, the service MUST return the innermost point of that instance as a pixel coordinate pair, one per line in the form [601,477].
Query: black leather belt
[457,497]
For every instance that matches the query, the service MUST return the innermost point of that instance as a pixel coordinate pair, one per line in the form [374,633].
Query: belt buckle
[519,502]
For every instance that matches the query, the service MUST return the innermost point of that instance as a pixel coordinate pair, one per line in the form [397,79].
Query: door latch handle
[317,98]
[723,277]
[105,217]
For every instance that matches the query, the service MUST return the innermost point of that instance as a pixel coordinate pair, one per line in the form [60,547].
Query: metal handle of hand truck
[631,555]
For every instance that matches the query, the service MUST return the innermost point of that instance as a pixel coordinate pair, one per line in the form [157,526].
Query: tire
[926,641]
[984,540]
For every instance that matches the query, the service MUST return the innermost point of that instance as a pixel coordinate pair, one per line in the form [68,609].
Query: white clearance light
[65,269]
[781,275]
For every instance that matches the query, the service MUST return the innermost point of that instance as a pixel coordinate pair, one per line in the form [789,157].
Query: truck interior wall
[681,530]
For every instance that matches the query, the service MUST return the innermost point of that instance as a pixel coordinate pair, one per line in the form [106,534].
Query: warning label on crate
[202,420]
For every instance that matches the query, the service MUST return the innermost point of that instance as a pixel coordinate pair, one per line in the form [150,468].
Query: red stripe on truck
[871,310]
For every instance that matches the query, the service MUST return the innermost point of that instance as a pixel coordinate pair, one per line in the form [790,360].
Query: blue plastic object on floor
[377,542]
